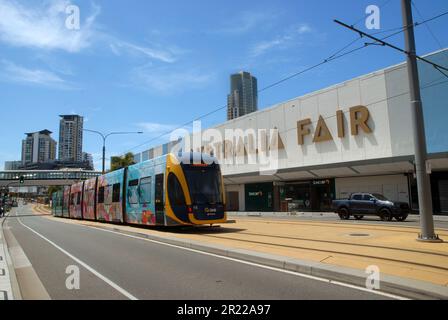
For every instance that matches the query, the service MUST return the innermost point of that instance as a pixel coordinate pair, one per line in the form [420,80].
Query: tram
[172,190]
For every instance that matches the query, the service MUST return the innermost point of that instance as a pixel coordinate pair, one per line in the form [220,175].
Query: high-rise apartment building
[87,157]
[12,165]
[70,137]
[243,97]
[38,147]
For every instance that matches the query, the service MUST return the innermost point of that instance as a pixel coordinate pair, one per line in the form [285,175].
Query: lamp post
[104,137]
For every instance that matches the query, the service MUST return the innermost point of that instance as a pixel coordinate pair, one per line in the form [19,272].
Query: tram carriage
[172,190]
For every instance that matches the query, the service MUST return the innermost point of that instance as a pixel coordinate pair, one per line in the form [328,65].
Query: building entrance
[307,196]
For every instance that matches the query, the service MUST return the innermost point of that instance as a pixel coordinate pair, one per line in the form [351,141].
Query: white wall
[384,93]
[391,127]
[394,187]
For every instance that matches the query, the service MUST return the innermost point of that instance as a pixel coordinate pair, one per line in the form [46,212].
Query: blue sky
[154,65]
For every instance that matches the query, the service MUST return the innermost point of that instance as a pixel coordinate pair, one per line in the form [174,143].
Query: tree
[122,162]
[53,189]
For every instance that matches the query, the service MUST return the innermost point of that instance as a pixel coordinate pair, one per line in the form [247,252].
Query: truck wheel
[358,217]
[401,217]
[344,214]
[386,215]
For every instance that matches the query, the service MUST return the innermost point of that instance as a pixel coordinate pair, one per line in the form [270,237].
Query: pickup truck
[371,204]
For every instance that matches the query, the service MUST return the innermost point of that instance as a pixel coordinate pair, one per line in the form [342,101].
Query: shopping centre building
[356,136]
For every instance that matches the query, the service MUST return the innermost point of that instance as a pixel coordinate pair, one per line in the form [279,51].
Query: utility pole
[423,181]
[104,156]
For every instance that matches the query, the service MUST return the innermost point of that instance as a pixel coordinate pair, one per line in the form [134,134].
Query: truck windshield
[204,183]
[380,197]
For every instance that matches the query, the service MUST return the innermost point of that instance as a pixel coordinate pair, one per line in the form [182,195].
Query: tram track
[425,255]
[346,225]
[344,243]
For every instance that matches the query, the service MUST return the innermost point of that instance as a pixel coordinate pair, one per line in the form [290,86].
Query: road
[116,266]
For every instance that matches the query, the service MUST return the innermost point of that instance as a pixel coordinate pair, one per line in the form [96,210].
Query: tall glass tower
[243,97]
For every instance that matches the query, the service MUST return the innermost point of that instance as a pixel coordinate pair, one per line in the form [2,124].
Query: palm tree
[122,162]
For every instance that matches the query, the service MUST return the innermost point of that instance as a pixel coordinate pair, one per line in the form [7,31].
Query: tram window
[145,190]
[116,192]
[108,193]
[78,201]
[101,195]
[88,196]
[133,183]
[175,191]
[133,191]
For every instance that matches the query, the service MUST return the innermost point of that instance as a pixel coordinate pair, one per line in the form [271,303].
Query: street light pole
[104,137]
[104,156]
[423,181]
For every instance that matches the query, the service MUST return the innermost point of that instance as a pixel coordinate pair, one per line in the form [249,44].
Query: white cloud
[304,29]
[154,128]
[245,22]
[264,46]
[14,73]
[44,26]
[293,36]
[164,55]
[166,81]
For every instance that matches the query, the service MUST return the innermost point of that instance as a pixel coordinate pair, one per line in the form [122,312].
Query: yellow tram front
[194,189]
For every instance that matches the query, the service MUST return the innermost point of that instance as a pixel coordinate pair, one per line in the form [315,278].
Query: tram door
[160,206]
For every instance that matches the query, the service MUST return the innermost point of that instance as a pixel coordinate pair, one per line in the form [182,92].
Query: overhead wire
[336,55]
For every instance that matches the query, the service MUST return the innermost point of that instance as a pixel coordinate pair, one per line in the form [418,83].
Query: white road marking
[85,265]
[259,265]
[392,296]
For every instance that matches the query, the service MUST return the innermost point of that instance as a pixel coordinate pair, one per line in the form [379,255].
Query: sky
[151,66]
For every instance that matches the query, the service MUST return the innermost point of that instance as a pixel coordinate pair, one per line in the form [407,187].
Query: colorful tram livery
[173,190]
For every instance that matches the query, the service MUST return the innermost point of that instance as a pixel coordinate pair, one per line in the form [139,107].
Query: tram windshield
[204,183]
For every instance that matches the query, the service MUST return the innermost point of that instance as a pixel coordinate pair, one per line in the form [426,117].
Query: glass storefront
[259,197]
[315,195]
[439,192]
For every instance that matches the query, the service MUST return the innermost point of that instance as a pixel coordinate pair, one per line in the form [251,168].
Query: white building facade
[356,136]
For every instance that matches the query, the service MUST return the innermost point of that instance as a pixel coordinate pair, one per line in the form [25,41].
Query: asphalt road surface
[115,266]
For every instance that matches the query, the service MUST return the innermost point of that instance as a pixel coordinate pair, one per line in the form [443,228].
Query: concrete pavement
[413,219]
[392,248]
[118,266]
[6,292]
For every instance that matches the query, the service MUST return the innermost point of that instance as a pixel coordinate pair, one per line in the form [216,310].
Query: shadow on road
[188,229]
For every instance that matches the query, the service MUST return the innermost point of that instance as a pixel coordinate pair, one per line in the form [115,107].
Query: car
[360,205]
